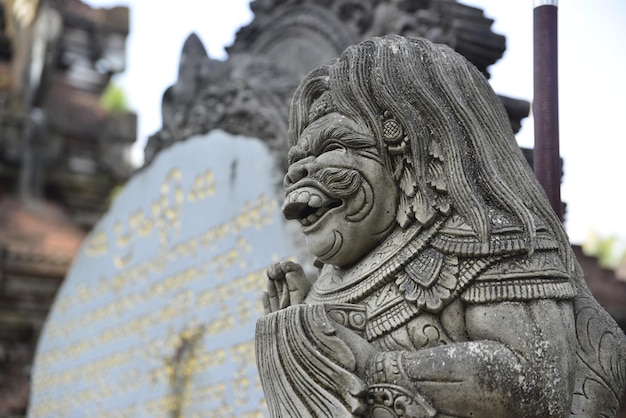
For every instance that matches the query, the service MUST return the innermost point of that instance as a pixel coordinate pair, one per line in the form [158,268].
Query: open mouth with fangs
[308,205]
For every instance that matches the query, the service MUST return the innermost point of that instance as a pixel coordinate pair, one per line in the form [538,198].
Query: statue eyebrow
[342,134]
[320,133]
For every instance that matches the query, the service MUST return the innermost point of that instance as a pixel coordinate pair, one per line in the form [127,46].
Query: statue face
[339,190]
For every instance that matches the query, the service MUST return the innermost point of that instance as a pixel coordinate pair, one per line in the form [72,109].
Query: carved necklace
[352,284]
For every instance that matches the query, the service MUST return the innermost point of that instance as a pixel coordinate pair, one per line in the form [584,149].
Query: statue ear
[414,202]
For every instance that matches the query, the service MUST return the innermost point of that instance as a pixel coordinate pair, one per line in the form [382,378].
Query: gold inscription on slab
[177,357]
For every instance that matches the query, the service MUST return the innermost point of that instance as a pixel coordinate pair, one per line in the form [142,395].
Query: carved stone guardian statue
[447,285]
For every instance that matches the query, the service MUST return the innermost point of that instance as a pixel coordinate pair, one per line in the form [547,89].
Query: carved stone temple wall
[61,155]
[249,93]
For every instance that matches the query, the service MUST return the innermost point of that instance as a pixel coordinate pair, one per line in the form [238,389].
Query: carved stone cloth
[415,274]
[302,362]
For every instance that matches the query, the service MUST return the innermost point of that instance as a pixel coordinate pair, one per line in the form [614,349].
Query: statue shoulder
[456,264]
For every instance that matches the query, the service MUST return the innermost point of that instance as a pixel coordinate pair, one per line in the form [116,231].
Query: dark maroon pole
[546,102]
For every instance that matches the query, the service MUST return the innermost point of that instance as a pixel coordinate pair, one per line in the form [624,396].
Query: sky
[592,85]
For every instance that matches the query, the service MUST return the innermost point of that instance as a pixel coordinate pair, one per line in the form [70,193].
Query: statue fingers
[272,296]
[265,300]
[280,287]
[298,289]
[289,266]
[275,272]
[285,299]
[297,282]
[287,284]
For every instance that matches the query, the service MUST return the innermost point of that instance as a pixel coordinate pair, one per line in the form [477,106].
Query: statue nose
[296,172]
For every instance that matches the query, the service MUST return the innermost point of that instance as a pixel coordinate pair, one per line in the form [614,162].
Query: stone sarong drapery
[305,369]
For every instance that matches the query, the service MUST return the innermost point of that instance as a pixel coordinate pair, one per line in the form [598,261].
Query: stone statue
[447,285]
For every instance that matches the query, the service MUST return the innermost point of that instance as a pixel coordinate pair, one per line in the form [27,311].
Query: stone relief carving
[344,22]
[244,96]
[249,92]
[447,285]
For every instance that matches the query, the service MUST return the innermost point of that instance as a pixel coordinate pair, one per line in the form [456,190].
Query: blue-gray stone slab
[156,317]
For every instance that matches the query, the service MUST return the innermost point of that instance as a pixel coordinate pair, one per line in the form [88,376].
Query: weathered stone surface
[156,316]
[448,287]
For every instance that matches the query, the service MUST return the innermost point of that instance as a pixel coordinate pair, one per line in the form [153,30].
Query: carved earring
[393,134]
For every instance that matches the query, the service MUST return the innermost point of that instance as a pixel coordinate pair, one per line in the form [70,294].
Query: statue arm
[519,362]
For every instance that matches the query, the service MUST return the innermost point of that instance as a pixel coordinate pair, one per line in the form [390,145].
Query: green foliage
[610,251]
[113,99]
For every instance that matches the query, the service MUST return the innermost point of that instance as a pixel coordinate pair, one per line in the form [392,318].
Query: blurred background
[81,92]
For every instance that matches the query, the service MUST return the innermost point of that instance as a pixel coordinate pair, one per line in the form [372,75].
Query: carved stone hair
[443,131]
[446,139]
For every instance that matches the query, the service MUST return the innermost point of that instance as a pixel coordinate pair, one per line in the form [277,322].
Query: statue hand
[287,285]
[362,350]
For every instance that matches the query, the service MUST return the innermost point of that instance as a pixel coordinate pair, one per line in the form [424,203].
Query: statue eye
[334,146]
